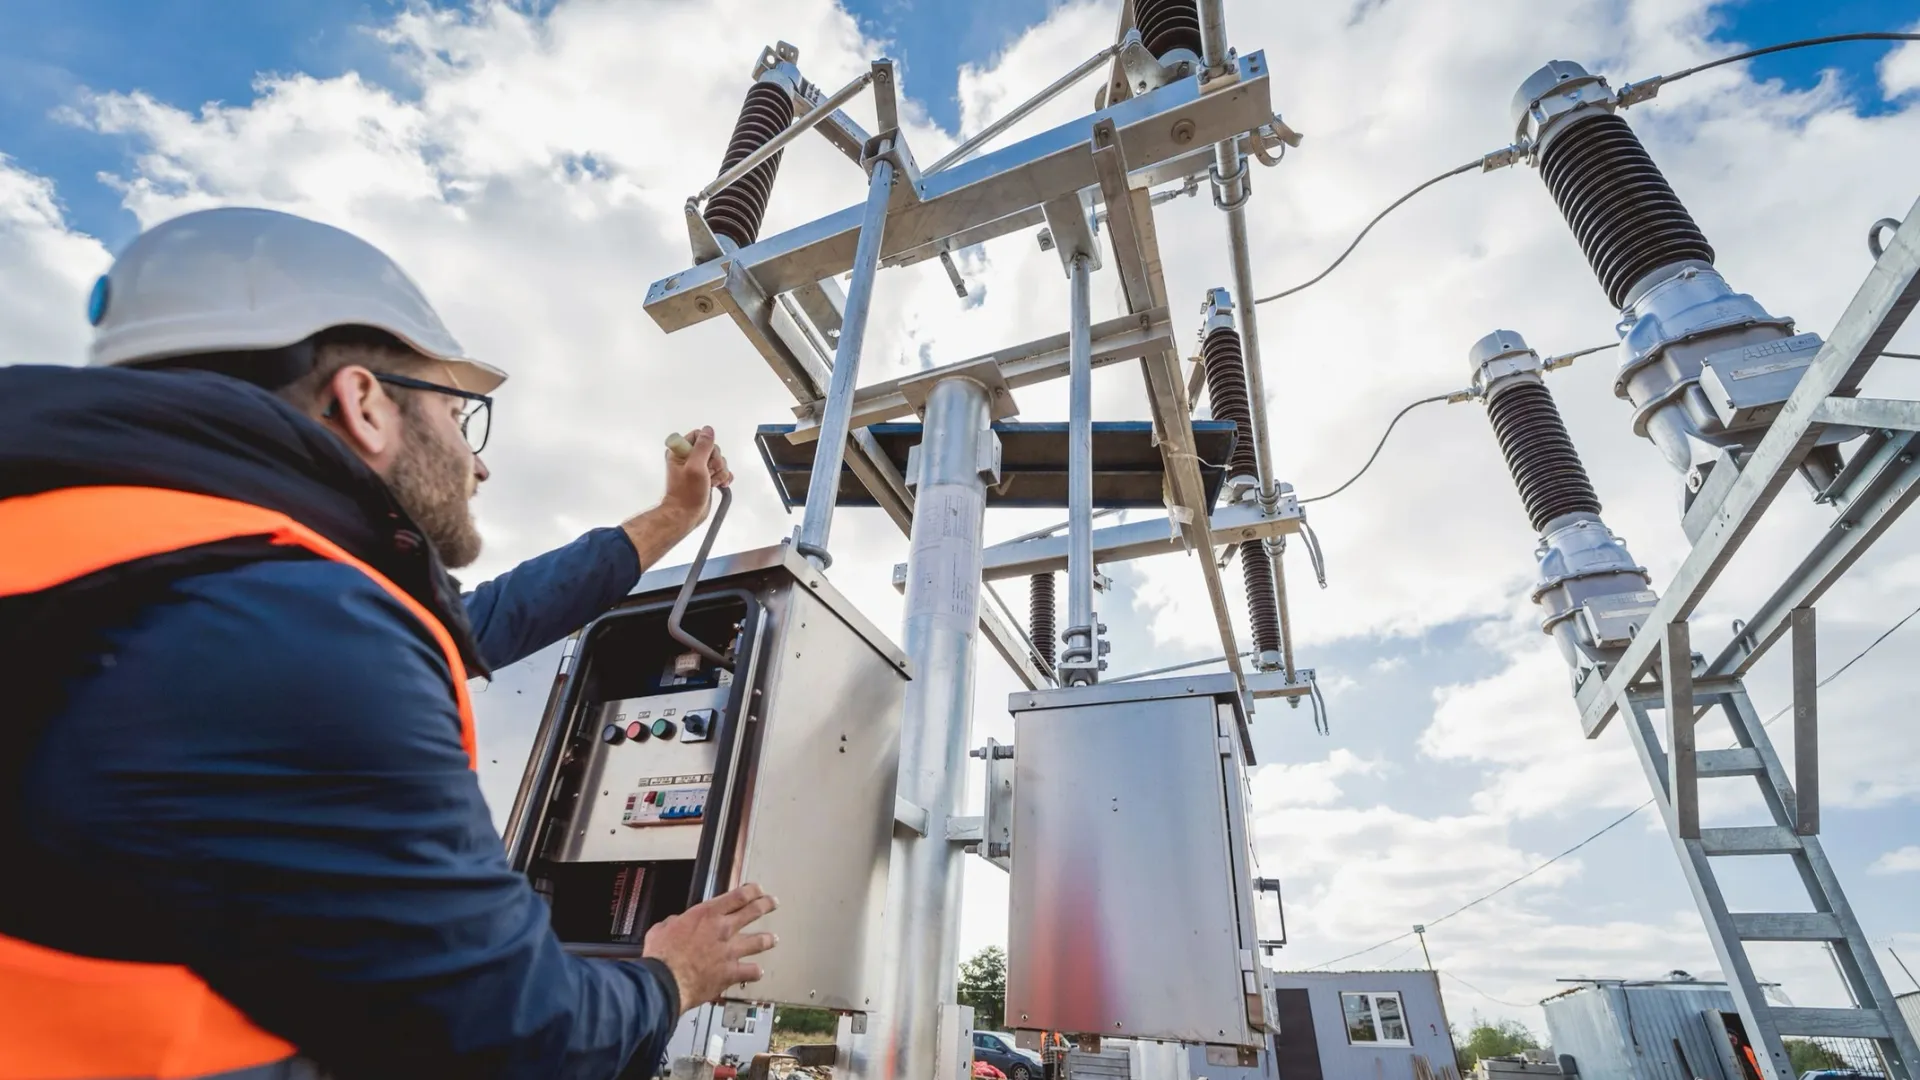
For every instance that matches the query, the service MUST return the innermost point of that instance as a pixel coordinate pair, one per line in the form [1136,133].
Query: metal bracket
[970,831]
[891,147]
[915,389]
[996,826]
[909,816]
[1070,224]
[706,246]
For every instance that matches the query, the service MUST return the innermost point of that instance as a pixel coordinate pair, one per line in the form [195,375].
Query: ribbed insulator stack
[1263,605]
[1227,391]
[1166,25]
[1540,454]
[1040,608]
[735,211]
[1621,209]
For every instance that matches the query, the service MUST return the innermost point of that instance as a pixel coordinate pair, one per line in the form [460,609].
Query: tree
[1506,1038]
[1808,1056]
[983,985]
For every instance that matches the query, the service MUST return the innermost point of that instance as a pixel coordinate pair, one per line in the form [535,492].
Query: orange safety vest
[70,1017]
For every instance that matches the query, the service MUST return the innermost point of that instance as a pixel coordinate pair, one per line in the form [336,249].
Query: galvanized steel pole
[1230,194]
[823,485]
[1080,661]
[942,615]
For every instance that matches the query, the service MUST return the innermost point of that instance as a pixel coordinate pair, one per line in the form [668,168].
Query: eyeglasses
[476,419]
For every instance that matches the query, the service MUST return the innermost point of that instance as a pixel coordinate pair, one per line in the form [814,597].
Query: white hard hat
[239,280]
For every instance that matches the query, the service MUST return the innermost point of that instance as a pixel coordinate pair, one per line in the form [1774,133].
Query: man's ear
[361,412]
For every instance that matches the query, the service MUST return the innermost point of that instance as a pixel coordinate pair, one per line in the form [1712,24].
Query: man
[239,823]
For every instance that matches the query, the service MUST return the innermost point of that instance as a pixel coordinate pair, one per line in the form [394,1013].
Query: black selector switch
[698,723]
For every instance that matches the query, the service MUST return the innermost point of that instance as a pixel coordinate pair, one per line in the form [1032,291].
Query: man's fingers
[735,922]
[753,944]
[744,972]
[729,902]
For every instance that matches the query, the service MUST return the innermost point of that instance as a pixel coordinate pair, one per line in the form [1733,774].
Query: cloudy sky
[527,163]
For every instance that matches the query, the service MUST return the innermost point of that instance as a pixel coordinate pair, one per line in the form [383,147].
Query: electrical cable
[1902,355]
[1484,994]
[1662,80]
[1630,94]
[1616,822]
[1559,360]
[1381,445]
[1476,163]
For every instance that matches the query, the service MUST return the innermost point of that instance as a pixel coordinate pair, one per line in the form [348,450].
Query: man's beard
[430,482]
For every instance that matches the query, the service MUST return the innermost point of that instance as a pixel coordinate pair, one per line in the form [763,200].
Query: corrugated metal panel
[1617,1031]
[1105,1065]
[1910,1008]
[1426,1023]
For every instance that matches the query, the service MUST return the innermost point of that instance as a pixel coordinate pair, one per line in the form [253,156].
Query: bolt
[703,305]
[1183,132]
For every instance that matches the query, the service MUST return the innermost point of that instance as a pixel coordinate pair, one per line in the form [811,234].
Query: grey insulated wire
[1476,163]
[1803,43]
[1371,458]
[1616,822]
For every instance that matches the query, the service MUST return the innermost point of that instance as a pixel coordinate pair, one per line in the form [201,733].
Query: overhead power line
[1550,363]
[1616,822]
[1630,94]
[1476,163]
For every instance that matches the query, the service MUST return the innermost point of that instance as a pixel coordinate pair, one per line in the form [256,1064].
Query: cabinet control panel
[643,795]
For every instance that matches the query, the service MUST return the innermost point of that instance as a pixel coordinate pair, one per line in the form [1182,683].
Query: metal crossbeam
[978,196]
[1884,489]
[1138,539]
[1876,313]
[1037,361]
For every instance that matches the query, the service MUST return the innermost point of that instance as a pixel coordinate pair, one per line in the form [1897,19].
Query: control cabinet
[660,777]
[1132,909]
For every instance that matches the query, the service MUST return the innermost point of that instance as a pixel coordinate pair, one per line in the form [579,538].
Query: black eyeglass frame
[485,401]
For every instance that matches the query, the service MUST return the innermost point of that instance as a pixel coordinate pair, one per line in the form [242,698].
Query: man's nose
[480,470]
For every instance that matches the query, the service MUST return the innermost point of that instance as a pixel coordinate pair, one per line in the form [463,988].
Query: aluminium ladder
[1674,771]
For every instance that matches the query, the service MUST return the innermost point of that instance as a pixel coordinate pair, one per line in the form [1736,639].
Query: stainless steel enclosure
[1132,895]
[659,778]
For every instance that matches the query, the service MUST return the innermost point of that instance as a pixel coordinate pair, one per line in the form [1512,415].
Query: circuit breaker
[661,775]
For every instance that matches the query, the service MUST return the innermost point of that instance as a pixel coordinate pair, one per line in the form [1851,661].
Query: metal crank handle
[678,445]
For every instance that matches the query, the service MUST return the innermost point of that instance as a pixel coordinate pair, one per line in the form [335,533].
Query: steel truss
[1090,183]
[1659,672]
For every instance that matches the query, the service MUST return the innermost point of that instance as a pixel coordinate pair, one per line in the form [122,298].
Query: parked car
[996,1048]
[984,1071]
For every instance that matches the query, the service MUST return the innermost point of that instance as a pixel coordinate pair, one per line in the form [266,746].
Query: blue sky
[187,52]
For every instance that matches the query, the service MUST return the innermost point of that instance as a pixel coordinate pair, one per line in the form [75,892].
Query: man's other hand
[691,480]
[704,946]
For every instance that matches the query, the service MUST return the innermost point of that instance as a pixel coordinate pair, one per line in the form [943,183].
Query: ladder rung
[1744,762]
[1836,1023]
[1787,926]
[1752,840]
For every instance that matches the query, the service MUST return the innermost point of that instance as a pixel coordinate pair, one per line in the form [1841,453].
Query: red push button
[636,730]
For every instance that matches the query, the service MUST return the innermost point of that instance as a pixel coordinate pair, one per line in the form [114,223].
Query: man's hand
[690,483]
[691,479]
[704,947]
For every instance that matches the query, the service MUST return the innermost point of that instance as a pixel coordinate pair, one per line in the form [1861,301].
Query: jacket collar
[202,432]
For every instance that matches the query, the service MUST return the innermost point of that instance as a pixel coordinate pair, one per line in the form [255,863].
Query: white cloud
[45,271]
[1904,860]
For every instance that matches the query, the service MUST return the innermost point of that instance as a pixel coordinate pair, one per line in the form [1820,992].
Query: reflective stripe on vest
[70,1017]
